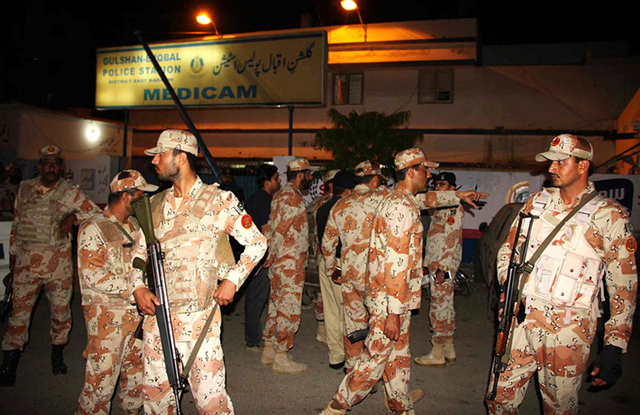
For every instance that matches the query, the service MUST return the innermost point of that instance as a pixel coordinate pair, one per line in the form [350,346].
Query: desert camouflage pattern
[207,378]
[287,233]
[178,139]
[298,164]
[104,260]
[112,352]
[443,251]
[555,340]
[393,286]
[381,358]
[114,358]
[567,145]
[46,264]
[189,234]
[411,157]
[350,222]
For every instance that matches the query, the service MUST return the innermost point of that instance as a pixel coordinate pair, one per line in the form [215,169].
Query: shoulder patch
[631,244]
[246,221]
[451,220]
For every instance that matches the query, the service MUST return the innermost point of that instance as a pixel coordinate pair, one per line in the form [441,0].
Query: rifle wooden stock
[509,306]
[142,210]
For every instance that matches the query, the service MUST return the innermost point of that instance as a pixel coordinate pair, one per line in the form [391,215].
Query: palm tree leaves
[367,136]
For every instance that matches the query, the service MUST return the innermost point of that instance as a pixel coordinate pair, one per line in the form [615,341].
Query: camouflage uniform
[350,222]
[104,257]
[393,286]
[189,233]
[287,233]
[560,324]
[444,252]
[43,258]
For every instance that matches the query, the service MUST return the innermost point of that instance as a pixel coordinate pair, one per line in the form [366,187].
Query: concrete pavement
[256,390]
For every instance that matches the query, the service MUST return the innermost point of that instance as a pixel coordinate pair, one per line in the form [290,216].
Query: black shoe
[9,368]
[57,360]
[337,366]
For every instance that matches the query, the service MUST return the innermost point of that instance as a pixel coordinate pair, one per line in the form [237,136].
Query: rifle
[509,306]
[142,210]
[5,306]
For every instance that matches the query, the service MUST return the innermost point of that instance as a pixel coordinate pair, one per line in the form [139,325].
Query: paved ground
[256,390]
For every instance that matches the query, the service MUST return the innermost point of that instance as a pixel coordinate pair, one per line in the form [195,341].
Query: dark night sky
[48,56]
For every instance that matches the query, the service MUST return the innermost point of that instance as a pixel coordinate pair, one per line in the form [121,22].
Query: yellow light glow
[92,133]
[349,4]
[202,18]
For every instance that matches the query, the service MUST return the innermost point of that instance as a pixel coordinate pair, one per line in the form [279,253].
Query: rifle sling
[528,267]
[196,347]
[530,264]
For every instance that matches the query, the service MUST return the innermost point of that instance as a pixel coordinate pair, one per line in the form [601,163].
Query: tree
[368,136]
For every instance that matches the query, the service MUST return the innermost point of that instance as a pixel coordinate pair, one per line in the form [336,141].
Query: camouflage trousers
[207,376]
[34,270]
[442,315]
[112,352]
[381,358]
[285,301]
[356,317]
[333,315]
[555,345]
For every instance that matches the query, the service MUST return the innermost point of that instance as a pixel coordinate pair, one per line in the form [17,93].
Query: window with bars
[347,88]
[436,86]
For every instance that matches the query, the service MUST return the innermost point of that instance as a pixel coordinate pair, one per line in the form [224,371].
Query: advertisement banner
[244,71]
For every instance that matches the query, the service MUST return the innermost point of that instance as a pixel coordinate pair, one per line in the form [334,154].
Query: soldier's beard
[304,184]
[172,174]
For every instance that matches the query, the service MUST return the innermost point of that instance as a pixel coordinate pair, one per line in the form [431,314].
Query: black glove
[609,362]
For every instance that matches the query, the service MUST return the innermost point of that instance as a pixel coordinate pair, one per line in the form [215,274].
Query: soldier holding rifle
[561,283]
[189,221]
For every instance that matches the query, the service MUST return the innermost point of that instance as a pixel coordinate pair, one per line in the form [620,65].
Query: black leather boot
[57,360]
[9,367]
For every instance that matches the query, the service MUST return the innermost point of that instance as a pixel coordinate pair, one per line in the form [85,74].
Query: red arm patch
[631,244]
[246,221]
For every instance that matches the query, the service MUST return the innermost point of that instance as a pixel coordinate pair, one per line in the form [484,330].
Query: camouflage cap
[298,164]
[170,139]
[412,157]
[565,146]
[330,175]
[50,151]
[368,168]
[133,181]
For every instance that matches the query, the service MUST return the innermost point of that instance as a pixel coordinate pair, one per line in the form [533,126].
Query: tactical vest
[114,237]
[39,218]
[569,271]
[193,261]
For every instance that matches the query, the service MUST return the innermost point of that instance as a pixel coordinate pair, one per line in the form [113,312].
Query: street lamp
[349,5]
[204,19]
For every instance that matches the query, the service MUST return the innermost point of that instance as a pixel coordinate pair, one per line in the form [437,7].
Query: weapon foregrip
[142,209]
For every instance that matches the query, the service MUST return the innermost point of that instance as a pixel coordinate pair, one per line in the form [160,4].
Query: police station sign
[244,71]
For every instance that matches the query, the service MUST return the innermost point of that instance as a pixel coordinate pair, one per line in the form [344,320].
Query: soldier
[288,234]
[343,182]
[190,219]
[394,274]
[560,294]
[443,254]
[350,224]
[321,334]
[46,208]
[104,258]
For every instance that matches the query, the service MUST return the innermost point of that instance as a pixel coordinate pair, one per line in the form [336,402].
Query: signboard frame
[113,55]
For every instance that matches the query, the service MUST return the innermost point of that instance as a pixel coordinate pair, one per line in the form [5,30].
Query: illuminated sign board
[244,71]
